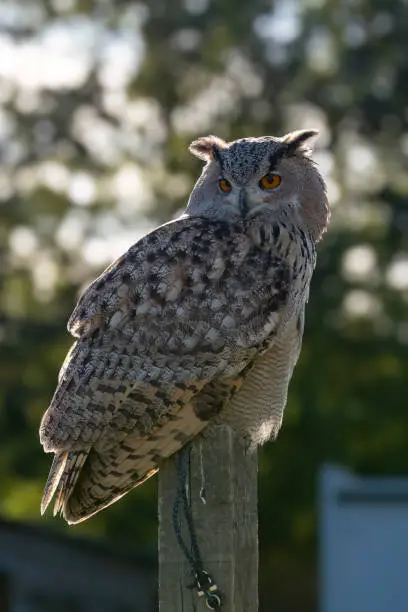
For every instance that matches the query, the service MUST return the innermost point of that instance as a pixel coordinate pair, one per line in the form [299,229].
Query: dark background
[98,103]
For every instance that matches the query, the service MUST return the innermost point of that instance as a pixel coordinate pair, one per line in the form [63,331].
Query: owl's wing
[181,308]
[108,475]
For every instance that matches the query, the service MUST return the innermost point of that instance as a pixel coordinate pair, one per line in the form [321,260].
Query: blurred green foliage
[98,103]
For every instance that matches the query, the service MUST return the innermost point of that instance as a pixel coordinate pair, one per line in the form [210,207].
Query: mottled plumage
[199,322]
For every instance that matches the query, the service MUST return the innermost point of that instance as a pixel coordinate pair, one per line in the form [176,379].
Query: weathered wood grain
[227,525]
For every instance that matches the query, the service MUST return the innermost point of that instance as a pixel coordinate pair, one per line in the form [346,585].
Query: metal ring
[217,601]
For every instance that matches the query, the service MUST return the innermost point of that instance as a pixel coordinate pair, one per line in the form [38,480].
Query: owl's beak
[242,203]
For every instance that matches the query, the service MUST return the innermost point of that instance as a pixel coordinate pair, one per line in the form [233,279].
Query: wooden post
[226,525]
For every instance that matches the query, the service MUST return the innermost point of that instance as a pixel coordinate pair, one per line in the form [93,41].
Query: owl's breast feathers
[165,339]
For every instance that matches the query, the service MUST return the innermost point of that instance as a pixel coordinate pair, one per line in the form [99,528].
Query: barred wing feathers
[179,310]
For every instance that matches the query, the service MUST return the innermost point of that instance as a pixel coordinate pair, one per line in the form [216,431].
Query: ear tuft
[207,147]
[302,141]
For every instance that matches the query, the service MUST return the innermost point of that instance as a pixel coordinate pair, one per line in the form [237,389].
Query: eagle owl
[199,322]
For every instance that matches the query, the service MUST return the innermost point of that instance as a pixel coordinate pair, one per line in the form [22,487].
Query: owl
[198,323]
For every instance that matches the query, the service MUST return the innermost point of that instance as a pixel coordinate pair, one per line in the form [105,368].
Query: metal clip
[207,588]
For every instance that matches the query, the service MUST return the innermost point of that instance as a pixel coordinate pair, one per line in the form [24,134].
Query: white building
[363,543]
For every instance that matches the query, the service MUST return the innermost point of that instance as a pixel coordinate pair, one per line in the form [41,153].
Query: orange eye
[270,181]
[225,185]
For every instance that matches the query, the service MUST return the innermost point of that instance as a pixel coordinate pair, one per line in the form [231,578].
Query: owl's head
[260,178]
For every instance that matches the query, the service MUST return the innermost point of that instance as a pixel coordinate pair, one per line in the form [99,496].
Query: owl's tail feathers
[91,497]
[107,476]
[88,480]
[62,478]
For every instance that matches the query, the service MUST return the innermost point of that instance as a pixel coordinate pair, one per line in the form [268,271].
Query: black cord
[194,558]
[203,581]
